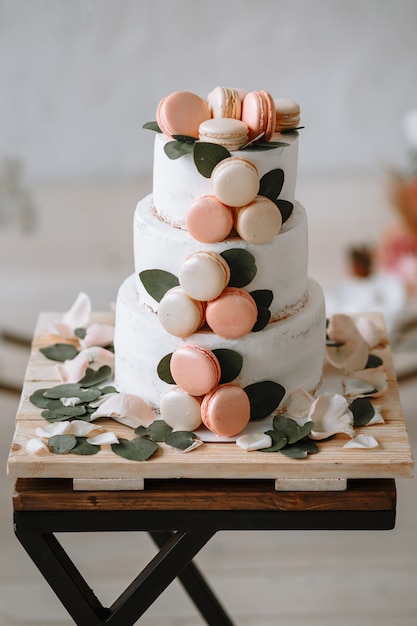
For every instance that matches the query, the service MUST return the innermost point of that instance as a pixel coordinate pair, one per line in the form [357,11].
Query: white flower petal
[331,414]
[36,446]
[369,382]
[127,407]
[371,333]
[377,418]
[362,441]
[107,437]
[80,428]
[79,314]
[196,444]
[73,370]
[98,335]
[353,351]
[71,401]
[254,441]
[55,428]
[299,404]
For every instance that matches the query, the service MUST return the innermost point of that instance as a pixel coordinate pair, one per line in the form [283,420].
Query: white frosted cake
[220,299]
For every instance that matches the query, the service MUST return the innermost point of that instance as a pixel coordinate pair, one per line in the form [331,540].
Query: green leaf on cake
[208,155]
[158,282]
[264,315]
[264,398]
[286,208]
[138,449]
[176,149]
[185,139]
[152,126]
[181,439]
[242,266]
[266,145]
[230,364]
[271,184]
[263,299]
[164,369]
[59,352]
[62,444]
[363,411]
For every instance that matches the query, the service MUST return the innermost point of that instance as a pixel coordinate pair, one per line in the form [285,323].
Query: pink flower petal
[99,335]
[73,370]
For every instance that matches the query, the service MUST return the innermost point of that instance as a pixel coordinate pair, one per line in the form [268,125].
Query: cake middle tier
[281,263]
[289,352]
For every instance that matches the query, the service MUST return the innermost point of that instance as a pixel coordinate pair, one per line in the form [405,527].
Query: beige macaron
[204,275]
[226,102]
[180,314]
[235,181]
[227,132]
[287,114]
[259,221]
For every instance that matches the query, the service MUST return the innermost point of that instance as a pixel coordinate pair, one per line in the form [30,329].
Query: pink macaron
[195,369]
[204,275]
[259,221]
[235,181]
[208,220]
[233,314]
[179,314]
[181,113]
[258,113]
[226,410]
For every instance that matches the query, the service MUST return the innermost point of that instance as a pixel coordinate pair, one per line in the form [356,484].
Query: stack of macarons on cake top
[205,297]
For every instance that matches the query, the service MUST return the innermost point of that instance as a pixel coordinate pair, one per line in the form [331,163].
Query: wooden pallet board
[328,469]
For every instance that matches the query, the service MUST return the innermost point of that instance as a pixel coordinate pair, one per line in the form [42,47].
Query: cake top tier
[201,143]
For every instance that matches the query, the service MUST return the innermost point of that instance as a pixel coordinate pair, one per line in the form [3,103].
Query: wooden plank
[391,459]
[57,494]
[108,484]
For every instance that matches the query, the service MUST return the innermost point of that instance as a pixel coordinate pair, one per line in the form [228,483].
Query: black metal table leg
[177,549]
[198,590]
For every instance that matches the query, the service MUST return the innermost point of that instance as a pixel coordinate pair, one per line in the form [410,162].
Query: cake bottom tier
[289,352]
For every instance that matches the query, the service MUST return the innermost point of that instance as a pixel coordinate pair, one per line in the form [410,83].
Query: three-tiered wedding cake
[220,224]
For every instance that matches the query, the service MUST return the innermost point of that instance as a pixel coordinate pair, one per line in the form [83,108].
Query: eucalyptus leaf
[207,156]
[271,184]
[159,430]
[242,266]
[264,315]
[278,441]
[158,282]
[164,369]
[363,411]
[266,145]
[230,364]
[291,429]
[80,333]
[73,390]
[138,449]
[95,377]
[185,139]
[373,361]
[141,431]
[181,439]
[300,449]
[108,389]
[152,126]
[60,352]
[176,149]
[262,297]
[59,414]
[286,208]
[39,399]
[84,448]
[62,444]
[264,398]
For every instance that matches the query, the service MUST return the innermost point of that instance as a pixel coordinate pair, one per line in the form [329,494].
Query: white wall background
[78,78]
